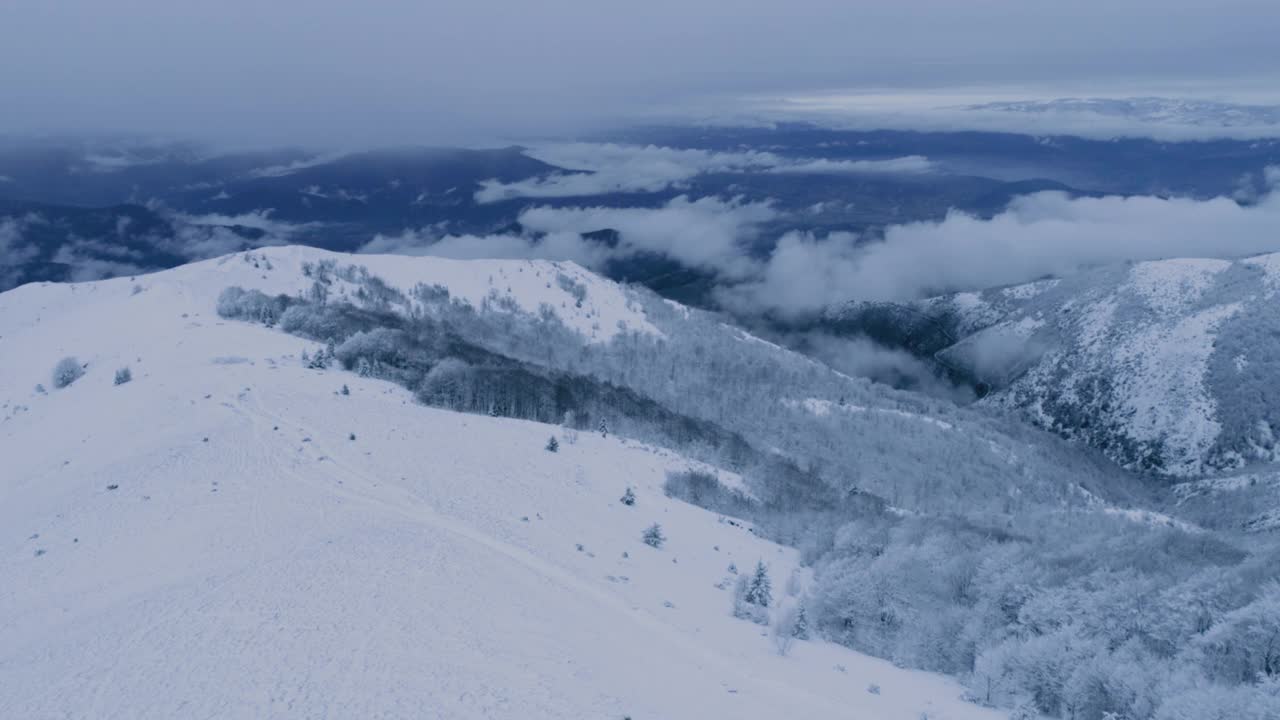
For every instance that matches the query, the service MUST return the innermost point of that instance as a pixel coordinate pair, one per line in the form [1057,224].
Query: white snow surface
[1171,286]
[530,284]
[208,541]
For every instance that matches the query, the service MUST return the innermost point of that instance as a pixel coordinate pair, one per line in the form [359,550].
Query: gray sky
[386,71]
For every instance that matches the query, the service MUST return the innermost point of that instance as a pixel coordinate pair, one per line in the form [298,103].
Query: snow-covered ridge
[595,307]
[1162,364]
[229,534]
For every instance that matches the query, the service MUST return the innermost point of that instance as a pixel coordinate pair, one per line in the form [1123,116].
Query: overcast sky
[436,70]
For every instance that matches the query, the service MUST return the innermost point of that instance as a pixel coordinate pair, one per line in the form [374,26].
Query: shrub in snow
[653,536]
[628,498]
[781,633]
[123,375]
[67,371]
[874,689]
[553,445]
[345,390]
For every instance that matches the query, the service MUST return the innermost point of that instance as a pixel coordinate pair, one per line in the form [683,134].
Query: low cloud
[554,246]
[906,165]
[1037,236]
[862,357]
[602,168]
[707,233]
[1178,118]
[14,251]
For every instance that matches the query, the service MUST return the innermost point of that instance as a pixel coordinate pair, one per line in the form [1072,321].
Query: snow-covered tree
[1244,647]
[653,536]
[123,375]
[800,626]
[759,589]
[319,361]
[628,498]
[604,428]
[553,445]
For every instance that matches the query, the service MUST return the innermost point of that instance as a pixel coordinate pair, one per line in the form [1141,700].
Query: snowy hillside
[1169,366]
[229,534]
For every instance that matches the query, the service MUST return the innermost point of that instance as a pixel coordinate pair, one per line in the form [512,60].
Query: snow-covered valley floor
[210,541]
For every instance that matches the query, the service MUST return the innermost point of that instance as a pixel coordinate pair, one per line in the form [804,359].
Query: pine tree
[604,428]
[628,498]
[345,390]
[760,591]
[363,369]
[653,536]
[800,629]
[553,445]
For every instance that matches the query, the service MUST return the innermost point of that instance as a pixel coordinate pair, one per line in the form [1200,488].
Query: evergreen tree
[653,536]
[319,361]
[345,390]
[363,369]
[123,375]
[800,629]
[553,445]
[628,498]
[759,590]
[604,428]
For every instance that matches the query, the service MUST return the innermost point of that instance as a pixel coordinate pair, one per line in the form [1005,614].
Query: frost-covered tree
[363,368]
[604,428]
[781,633]
[67,371]
[319,361]
[800,625]
[628,497]
[553,445]
[1244,647]
[123,375]
[653,536]
[759,589]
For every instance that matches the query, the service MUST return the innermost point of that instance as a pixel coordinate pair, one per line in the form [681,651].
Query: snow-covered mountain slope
[1169,366]
[228,535]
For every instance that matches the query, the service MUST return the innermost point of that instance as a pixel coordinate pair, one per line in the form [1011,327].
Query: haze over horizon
[389,72]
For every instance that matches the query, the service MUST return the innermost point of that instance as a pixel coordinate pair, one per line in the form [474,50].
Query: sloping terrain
[230,534]
[1166,366]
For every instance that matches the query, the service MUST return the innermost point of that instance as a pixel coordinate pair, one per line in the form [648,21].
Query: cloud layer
[1038,235]
[613,168]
